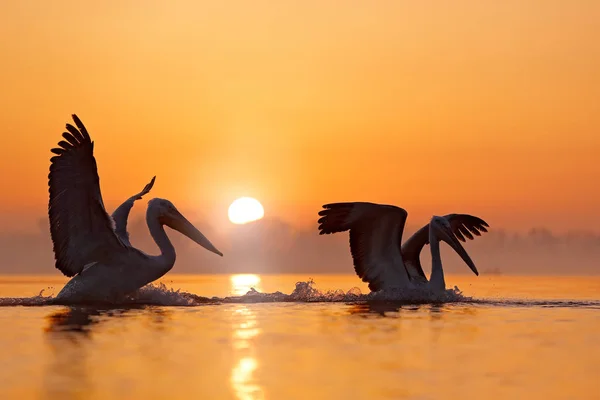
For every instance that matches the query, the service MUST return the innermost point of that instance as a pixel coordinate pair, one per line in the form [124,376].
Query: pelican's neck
[157,230]
[436,281]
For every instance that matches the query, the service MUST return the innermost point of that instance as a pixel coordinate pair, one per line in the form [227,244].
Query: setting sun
[244,210]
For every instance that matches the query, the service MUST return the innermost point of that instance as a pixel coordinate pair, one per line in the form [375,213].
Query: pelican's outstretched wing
[81,230]
[121,214]
[375,237]
[462,225]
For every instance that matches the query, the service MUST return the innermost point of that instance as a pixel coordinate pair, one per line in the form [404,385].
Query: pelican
[92,247]
[375,243]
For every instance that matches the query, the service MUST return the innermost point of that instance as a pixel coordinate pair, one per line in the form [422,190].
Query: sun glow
[244,210]
[242,283]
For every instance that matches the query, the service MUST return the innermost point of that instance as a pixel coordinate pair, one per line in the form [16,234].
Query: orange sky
[485,107]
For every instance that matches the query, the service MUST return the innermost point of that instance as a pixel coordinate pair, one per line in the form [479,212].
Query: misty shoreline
[272,246]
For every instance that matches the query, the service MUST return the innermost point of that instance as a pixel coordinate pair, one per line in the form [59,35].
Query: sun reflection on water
[242,283]
[245,331]
[242,381]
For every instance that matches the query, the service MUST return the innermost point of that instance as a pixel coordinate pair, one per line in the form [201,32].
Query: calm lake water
[518,337]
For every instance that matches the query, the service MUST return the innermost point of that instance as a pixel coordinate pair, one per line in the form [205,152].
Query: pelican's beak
[181,224]
[452,240]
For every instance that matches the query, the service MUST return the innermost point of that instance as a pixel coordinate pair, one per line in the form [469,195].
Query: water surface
[517,337]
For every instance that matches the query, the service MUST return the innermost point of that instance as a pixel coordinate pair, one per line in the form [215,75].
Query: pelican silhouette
[89,245]
[375,242]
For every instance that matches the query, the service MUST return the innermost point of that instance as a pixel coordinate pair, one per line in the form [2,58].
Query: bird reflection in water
[392,310]
[83,319]
[245,331]
[76,319]
[71,345]
[435,313]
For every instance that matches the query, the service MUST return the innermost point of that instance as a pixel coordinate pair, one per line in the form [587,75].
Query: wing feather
[71,139]
[375,237]
[74,132]
[81,230]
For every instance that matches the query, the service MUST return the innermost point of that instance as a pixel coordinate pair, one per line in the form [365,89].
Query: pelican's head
[443,231]
[168,215]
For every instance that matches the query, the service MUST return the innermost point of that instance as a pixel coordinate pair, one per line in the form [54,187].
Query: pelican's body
[93,247]
[375,243]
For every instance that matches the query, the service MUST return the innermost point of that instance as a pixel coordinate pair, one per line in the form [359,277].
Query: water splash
[161,295]
[39,300]
[304,292]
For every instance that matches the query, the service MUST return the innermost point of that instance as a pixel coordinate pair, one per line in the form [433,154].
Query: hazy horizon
[271,245]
